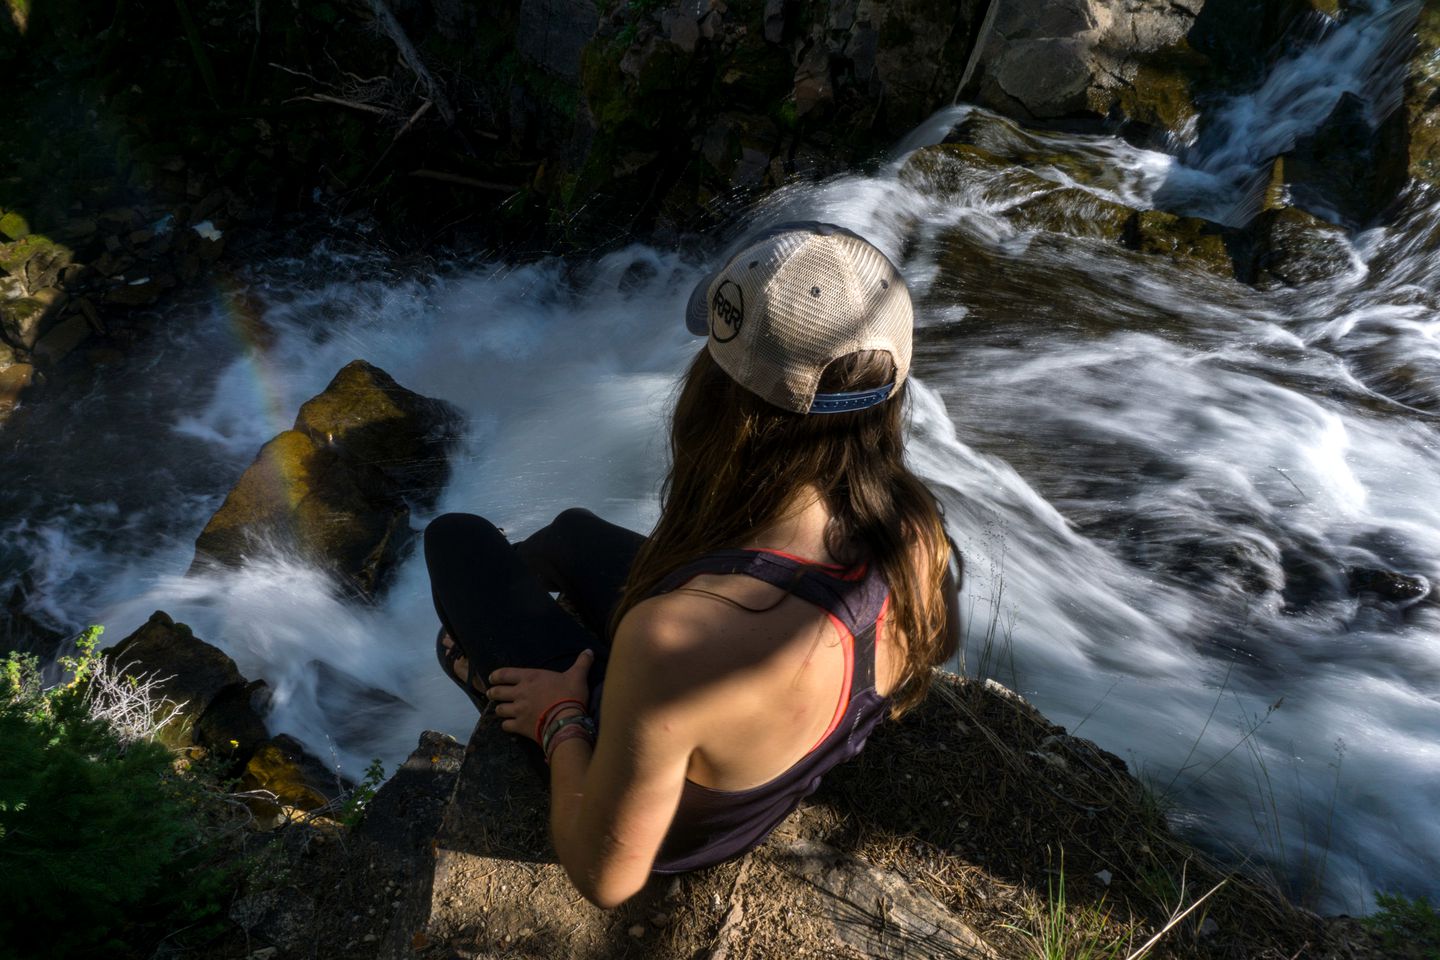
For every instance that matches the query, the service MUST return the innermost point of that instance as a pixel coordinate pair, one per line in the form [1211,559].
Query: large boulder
[1149,63]
[336,490]
[1048,61]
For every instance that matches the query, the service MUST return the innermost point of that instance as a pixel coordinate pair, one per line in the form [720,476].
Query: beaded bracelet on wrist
[582,720]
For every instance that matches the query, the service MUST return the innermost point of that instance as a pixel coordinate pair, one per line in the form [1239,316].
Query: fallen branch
[419,112]
[397,35]
[342,102]
[464,181]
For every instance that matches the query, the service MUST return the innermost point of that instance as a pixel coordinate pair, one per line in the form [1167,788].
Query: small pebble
[1104,877]
[369,938]
[660,918]
[637,931]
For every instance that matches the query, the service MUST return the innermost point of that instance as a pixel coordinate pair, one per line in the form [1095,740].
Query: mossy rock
[301,498]
[283,767]
[366,416]
[13,226]
[1188,241]
[1293,247]
[1422,100]
[35,259]
[335,490]
[192,673]
[962,168]
[1161,94]
[1075,212]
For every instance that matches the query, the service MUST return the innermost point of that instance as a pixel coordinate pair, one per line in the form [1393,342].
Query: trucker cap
[795,297]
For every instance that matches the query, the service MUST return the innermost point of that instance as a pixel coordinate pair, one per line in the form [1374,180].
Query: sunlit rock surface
[337,488]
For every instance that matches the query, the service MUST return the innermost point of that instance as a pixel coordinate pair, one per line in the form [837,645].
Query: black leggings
[494,598]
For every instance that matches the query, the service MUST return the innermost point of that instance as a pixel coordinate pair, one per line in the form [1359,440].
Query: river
[1159,478]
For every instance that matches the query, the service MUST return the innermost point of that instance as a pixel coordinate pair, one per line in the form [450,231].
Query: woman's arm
[611,806]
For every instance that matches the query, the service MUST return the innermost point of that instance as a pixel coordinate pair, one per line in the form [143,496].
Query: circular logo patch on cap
[727,312]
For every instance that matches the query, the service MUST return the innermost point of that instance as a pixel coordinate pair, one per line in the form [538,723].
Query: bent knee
[575,518]
[450,527]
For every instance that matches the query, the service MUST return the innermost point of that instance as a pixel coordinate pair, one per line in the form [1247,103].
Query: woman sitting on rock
[797,586]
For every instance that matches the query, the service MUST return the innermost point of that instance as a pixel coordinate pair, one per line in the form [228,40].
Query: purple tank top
[712,826]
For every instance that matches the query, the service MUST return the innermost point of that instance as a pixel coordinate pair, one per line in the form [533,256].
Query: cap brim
[697,311]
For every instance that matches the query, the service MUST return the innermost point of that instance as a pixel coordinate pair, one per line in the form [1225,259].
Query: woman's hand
[521,695]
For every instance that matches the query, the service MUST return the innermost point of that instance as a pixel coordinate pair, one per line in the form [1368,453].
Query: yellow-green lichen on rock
[1185,240]
[1422,99]
[335,490]
[13,226]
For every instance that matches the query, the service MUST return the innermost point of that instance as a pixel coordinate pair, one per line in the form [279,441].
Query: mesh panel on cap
[808,299]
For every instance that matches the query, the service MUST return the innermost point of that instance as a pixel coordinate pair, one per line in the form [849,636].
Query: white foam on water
[1158,480]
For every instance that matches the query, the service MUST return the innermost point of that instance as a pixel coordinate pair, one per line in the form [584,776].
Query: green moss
[13,225]
[1188,241]
[1159,97]
[1074,212]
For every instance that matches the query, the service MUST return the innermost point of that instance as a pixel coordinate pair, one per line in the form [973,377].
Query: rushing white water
[1158,479]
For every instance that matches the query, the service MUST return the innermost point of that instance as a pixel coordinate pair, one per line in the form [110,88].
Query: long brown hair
[738,462]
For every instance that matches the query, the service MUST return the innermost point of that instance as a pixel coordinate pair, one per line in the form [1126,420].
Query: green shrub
[100,838]
[1402,922]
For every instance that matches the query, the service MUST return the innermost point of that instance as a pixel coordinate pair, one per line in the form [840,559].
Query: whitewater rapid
[1158,479]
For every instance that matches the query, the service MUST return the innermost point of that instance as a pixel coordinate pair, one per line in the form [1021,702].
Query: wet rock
[1188,241]
[24,321]
[302,498]
[15,379]
[1075,212]
[65,337]
[1239,54]
[1387,585]
[336,489]
[1293,247]
[354,709]
[192,673]
[1422,99]
[1350,167]
[365,416]
[966,170]
[231,726]
[282,766]
[141,291]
